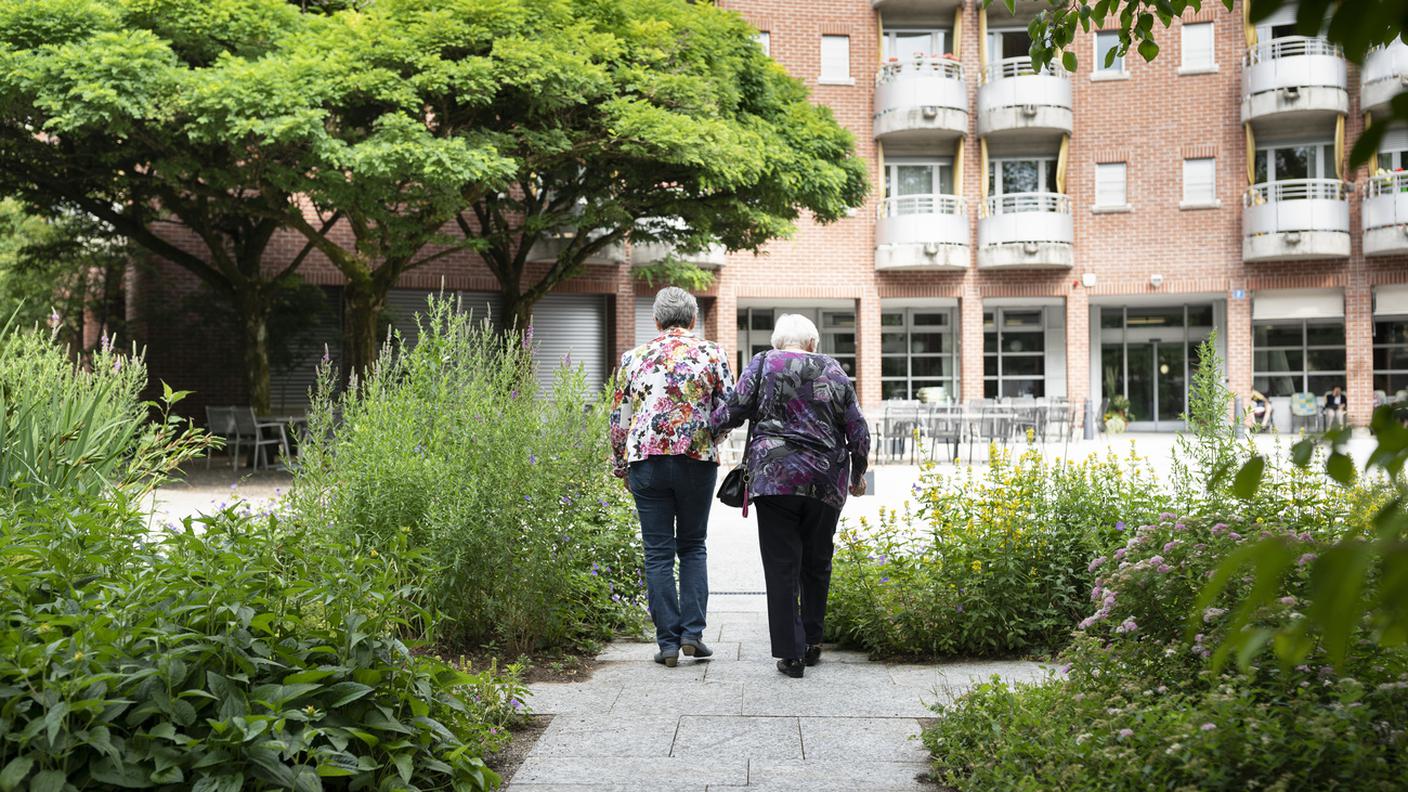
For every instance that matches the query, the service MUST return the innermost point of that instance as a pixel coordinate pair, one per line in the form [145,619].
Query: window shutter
[1110,184]
[836,58]
[1199,181]
[1198,46]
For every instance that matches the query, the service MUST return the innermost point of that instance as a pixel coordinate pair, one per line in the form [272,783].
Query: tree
[147,116]
[649,120]
[1356,25]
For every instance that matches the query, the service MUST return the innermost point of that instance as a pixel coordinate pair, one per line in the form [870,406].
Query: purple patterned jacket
[810,437]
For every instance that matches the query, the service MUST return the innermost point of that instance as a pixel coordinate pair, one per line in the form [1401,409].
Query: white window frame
[1197,201]
[1208,64]
[1320,164]
[1046,166]
[835,77]
[1305,372]
[939,166]
[909,327]
[764,40]
[938,42]
[1110,168]
[1100,71]
[998,356]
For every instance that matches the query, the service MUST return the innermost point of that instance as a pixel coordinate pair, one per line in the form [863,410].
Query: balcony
[548,247]
[922,232]
[921,100]
[1292,82]
[916,8]
[1384,74]
[1017,101]
[1295,220]
[1385,214]
[1026,230]
[643,254]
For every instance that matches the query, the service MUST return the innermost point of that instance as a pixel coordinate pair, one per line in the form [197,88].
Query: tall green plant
[530,542]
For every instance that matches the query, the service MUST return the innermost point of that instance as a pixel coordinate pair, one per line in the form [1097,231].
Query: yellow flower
[374,553]
[977,566]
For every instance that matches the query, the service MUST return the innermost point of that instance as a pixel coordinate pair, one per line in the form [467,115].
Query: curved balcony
[916,8]
[1385,215]
[1292,80]
[550,246]
[1026,230]
[1296,220]
[1015,99]
[922,100]
[643,254]
[1385,73]
[922,232]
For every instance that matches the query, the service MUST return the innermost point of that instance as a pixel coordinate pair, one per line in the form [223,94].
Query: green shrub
[81,430]
[992,563]
[532,543]
[226,655]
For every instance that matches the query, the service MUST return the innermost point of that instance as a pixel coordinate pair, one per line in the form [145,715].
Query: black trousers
[795,535]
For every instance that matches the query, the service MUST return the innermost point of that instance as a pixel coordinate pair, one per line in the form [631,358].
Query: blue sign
[1239,294]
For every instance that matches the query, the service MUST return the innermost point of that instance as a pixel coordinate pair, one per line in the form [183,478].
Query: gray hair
[675,307]
[794,330]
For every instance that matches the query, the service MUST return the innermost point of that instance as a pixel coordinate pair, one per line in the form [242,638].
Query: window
[1003,44]
[1199,181]
[1295,356]
[837,330]
[838,339]
[764,40]
[1110,184]
[1021,176]
[1287,162]
[916,178]
[836,59]
[1107,59]
[1390,355]
[1198,47]
[906,44]
[916,352]
[1014,353]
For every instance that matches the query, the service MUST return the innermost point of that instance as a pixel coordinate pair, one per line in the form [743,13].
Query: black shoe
[792,667]
[668,659]
[813,655]
[693,647]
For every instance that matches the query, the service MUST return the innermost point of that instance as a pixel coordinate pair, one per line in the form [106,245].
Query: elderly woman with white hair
[808,450]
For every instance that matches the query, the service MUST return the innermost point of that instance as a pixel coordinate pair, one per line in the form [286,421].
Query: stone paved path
[733,722]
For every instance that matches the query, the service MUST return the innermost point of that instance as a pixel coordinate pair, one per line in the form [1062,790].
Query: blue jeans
[673,495]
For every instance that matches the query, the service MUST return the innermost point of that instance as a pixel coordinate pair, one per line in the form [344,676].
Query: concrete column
[1077,345]
[1359,348]
[970,343]
[868,347]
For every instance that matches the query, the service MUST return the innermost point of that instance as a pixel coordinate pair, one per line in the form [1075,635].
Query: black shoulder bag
[734,489]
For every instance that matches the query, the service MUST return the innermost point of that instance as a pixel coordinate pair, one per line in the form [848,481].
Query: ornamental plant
[522,538]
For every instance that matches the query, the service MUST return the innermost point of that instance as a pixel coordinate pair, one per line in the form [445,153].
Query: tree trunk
[254,328]
[364,305]
[516,314]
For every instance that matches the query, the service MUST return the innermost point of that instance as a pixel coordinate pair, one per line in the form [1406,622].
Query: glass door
[1158,384]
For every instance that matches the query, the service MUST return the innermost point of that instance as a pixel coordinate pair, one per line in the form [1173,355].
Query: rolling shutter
[570,328]
[293,373]
[645,320]
[403,305]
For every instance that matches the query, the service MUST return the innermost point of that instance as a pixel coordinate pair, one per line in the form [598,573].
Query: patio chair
[991,425]
[1305,411]
[260,435]
[1057,417]
[220,422]
[945,427]
[902,421]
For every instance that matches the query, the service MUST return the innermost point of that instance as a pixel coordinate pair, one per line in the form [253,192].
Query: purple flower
[1170,545]
[1208,726]
[566,501]
[1305,559]
[603,502]
[958,607]
[1234,536]
[516,704]
[1119,554]
[528,498]
[54,320]
[615,597]
[116,365]
[513,394]
[528,336]
[532,459]
[1219,529]
[1119,526]
[1127,626]
[1125,734]
[1163,569]
[1212,614]
[1086,623]
[1288,601]
[1180,527]
[1166,516]
[1156,560]
[884,580]
[1094,565]
[567,360]
[327,355]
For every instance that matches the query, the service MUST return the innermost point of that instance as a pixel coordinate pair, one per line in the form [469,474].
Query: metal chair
[220,422]
[259,434]
[990,426]
[945,426]
[901,423]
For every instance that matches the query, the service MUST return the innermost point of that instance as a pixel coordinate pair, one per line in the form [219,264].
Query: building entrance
[1148,354]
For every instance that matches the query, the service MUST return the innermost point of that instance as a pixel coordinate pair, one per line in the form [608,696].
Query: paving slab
[795,697]
[858,775]
[728,737]
[654,773]
[632,672]
[564,698]
[679,698]
[601,735]
[878,739]
[674,787]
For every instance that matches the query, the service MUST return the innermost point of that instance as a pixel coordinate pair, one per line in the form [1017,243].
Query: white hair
[675,307]
[794,330]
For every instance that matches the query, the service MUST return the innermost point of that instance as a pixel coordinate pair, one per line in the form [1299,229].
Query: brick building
[1045,234]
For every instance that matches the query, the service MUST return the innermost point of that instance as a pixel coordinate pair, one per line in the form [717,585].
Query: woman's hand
[858,488]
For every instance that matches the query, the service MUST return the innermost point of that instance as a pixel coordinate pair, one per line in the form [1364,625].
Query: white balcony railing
[1296,205]
[1384,75]
[923,95]
[928,204]
[1026,217]
[1385,214]
[922,231]
[1303,72]
[1016,96]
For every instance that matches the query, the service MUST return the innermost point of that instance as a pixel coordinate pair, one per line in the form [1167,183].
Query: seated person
[1336,408]
[1261,410]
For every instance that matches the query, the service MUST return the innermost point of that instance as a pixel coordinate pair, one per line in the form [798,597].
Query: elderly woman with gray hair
[661,446]
[809,450]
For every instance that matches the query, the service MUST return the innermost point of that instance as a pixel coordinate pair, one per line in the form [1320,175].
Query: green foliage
[673,272]
[1357,26]
[993,563]
[81,429]
[226,654]
[53,269]
[528,542]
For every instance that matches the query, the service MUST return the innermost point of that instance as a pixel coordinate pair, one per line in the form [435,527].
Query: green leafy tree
[148,115]
[1356,25]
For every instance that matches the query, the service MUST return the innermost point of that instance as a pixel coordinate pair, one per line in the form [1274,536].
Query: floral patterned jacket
[665,391]
[810,437]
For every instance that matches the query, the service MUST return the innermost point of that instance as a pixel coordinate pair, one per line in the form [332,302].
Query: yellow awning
[1061,160]
[958,167]
[982,45]
[956,49]
[983,174]
[1251,155]
[1339,146]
